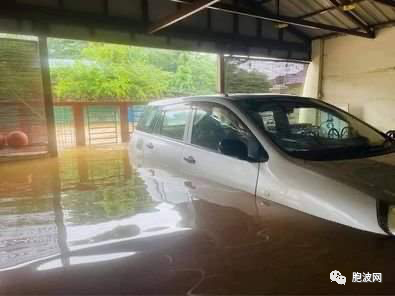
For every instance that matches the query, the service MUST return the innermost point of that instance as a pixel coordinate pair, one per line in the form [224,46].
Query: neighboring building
[286,77]
[289,83]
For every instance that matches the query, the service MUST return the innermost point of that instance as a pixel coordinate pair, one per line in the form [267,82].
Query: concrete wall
[312,82]
[358,72]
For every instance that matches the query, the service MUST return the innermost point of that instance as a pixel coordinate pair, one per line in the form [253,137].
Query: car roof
[227,97]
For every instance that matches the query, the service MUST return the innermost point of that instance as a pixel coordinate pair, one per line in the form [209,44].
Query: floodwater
[90,223]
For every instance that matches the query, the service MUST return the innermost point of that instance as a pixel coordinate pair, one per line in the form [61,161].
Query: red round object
[2,141]
[17,139]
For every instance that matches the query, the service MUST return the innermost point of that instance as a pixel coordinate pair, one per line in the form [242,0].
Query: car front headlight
[386,217]
[391,219]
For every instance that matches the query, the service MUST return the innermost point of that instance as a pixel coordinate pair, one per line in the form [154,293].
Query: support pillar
[79,126]
[123,110]
[47,92]
[313,86]
[221,74]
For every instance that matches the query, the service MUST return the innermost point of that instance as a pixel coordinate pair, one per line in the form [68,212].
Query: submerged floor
[87,222]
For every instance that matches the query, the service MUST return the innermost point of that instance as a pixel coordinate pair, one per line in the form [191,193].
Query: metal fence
[82,123]
[21,97]
[64,123]
[102,124]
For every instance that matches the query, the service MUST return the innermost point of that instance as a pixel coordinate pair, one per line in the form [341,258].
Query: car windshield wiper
[363,150]
[387,144]
[344,151]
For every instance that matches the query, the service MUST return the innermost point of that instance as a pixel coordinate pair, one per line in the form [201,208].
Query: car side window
[303,122]
[214,123]
[268,121]
[173,123]
[148,119]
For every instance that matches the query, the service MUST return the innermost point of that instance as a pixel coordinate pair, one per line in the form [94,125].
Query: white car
[297,152]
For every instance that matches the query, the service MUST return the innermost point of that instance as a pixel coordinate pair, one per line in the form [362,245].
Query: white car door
[140,152]
[215,177]
[156,149]
[164,150]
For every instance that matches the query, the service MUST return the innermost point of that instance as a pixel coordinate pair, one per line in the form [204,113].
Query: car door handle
[190,160]
[189,185]
[150,146]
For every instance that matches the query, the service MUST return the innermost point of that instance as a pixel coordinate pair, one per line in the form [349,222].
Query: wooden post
[59,215]
[79,126]
[83,169]
[123,110]
[48,101]
[221,74]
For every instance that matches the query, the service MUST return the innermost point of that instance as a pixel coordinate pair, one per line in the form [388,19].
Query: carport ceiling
[272,28]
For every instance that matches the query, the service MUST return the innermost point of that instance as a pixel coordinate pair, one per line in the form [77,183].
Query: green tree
[195,75]
[125,73]
[110,72]
[239,80]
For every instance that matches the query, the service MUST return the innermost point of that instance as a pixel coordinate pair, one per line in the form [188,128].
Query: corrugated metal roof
[256,27]
[370,12]
[129,22]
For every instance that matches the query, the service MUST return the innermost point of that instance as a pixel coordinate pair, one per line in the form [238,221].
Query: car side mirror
[391,134]
[238,149]
[262,155]
[234,148]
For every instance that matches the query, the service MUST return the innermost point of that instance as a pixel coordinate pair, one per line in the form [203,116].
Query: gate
[64,123]
[102,124]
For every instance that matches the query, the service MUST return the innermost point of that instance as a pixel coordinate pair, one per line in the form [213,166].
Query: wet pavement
[89,223]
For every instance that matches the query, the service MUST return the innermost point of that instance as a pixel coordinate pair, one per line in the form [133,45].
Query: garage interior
[317,32]
[348,45]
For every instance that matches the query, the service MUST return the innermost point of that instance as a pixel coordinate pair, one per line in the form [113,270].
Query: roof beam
[350,15]
[285,19]
[301,35]
[183,13]
[325,10]
[224,41]
[288,20]
[387,2]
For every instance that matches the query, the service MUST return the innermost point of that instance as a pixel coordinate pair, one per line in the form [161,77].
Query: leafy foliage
[109,72]
[194,75]
[239,80]
[123,73]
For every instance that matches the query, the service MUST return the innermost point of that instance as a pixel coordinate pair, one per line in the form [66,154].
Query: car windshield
[314,130]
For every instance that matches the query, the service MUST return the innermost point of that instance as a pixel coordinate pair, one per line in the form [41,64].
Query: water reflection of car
[297,152]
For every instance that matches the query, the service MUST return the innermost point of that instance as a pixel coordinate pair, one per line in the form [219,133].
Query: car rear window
[148,119]
[173,123]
